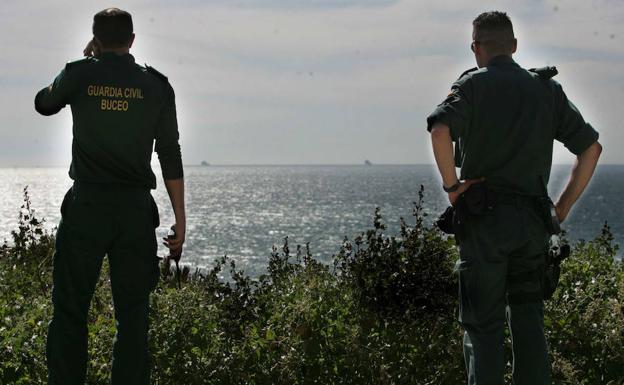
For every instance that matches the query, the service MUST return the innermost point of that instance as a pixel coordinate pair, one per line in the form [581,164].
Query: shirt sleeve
[571,129]
[454,111]
[167,146]
[55,97]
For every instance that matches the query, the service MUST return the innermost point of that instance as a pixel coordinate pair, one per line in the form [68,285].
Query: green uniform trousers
[97,220]
[510,239]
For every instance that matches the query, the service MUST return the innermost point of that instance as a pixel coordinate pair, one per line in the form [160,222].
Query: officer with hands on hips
[503,120]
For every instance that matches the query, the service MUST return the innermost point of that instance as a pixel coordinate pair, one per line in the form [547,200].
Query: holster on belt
[550,280]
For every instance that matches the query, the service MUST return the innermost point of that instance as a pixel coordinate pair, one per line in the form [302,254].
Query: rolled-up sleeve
[55,97]
[454,111]
[167,139]
[571,129]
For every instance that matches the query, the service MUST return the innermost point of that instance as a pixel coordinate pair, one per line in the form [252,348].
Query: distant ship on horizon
[204,163]
[368,163]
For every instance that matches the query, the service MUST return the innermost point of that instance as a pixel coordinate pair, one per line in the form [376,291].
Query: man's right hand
[92,49]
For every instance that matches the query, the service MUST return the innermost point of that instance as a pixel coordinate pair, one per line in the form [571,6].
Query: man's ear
[97,49]
[98,43]
[479,49]
[131,40]
[514,46]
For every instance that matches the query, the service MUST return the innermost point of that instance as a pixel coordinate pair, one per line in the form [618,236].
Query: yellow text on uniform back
[121,95]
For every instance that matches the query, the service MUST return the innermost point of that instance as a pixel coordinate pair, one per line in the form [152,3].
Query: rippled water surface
[243,211]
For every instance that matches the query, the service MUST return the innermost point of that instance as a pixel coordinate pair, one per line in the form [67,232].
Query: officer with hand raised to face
[121,112]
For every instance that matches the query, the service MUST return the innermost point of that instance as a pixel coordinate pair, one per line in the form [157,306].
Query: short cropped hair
[495,31]
[113,27]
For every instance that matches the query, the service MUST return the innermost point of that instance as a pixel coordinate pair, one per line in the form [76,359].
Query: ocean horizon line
[199,165]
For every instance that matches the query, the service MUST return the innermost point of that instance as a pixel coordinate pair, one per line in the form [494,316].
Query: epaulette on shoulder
[80,62]
[155,72]
[545,73]
[467,72]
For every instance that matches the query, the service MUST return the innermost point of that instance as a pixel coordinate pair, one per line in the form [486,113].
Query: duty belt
[542,204]
[507,198]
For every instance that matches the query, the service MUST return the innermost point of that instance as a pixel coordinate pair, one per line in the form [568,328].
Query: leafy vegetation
[384,313]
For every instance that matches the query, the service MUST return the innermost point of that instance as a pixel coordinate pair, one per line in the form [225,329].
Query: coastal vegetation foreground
[384,312]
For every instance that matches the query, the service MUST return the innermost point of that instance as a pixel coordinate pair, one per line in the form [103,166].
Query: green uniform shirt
[120,109]
[504,120]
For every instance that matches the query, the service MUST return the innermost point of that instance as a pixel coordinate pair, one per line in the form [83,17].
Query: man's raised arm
[54,97]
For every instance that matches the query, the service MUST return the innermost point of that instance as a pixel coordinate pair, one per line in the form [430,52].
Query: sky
[306,81]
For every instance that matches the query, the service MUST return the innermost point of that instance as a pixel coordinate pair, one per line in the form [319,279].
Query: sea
[243,211]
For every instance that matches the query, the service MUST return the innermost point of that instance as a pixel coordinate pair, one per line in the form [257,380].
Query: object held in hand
[171,234]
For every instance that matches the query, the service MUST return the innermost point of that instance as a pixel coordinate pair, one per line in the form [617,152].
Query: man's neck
[117,51]
[487,61]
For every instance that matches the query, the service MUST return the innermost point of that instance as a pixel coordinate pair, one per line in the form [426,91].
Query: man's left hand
[562,212]
[92,48]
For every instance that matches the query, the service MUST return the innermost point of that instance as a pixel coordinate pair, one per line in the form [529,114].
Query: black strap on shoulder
[80,62]
[545,73]
[468,71]
[159,75]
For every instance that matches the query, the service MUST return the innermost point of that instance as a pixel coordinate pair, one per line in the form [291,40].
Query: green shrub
[384,313]
[585,319]
[411,274]
[25,284]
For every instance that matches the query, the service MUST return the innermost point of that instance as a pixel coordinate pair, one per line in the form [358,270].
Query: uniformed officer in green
[503,120]
[121,113]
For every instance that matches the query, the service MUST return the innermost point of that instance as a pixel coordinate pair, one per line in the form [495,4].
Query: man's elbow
[171,164]
[593,151]
[43,111]
[440,131]
[174,179]
[598,148]
[40,106]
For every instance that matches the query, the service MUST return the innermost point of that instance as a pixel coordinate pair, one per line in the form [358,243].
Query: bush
[585,319]
[25,286]
[411,274]
[384,313]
